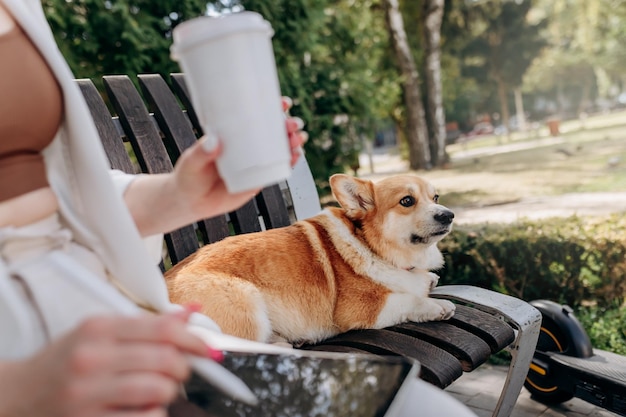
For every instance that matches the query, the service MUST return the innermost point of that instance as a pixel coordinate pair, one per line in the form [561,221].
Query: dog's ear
[355,195]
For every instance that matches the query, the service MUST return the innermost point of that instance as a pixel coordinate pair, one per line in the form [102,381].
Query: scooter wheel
[543,386]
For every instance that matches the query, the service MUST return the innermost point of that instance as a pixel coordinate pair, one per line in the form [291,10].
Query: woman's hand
[199,184]
[194,190]
[297,137]
[106,367]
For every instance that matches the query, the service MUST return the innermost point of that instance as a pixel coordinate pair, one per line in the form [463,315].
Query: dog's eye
[407,201]
[436,198]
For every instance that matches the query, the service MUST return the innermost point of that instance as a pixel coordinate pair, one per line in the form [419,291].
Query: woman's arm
[163,202]
[194,190]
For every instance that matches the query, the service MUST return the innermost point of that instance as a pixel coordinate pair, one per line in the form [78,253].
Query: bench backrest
[158,131]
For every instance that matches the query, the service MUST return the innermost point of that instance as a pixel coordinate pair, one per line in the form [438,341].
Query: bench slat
[177,130]
[113,144]
[437,366]
[142,132]
[244,219]
[149,150]
[468,348]
[178,135]
[272,207]
[179,86]
[495,332]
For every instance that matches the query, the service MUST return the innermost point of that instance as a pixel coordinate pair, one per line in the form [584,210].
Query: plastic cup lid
[199,29]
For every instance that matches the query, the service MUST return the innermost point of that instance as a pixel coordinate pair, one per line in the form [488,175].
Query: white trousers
[38,259]
[426,400]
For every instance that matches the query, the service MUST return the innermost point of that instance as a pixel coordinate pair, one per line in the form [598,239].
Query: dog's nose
[444,217]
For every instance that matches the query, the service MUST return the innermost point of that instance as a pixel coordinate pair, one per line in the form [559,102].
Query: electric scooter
[565,365]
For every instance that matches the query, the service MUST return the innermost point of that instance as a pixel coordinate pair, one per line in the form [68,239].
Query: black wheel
[541,384]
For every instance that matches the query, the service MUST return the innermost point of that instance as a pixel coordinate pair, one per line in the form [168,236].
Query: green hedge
[569,260]
[576,261]
[606,327]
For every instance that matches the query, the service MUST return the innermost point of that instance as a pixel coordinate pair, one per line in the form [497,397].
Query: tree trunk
[519,109]
[433,15]
[584,96]
[504,104]
[417,135]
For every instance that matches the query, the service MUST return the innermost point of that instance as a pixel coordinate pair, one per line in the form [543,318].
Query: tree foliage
[330,55]
[585,58]
[503,44]
[335,57]
[118,36]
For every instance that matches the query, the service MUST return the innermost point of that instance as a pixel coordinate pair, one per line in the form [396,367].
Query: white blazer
[91,203]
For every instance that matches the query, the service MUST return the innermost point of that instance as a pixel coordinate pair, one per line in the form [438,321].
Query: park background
[494,101]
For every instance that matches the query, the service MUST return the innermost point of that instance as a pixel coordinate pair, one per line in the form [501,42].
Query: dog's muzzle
[444,217]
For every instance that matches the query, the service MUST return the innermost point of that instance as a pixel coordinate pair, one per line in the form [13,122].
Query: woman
[63,350]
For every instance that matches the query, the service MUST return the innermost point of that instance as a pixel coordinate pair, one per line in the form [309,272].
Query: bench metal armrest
[524,318]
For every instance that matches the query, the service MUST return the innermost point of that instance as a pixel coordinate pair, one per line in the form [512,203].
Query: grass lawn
[483,172]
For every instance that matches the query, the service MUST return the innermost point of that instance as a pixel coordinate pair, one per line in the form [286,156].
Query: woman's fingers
[150,412]
[137,389]
[294,124]
[297,138]
[166,329]
[156,358]
[114,366]
[199,158]
[287,103]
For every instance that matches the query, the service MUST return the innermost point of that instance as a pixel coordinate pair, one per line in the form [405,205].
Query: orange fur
[364,265]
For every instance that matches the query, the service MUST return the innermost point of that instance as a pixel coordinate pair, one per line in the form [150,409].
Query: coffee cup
[231,75]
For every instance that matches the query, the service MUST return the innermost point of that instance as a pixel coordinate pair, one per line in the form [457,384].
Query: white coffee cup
[230,71]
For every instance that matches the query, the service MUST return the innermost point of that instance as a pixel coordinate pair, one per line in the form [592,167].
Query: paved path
[480,390]
[582,204]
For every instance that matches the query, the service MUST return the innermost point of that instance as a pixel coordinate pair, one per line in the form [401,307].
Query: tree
[432,16]
[503,45]
[585,57]
[417,135]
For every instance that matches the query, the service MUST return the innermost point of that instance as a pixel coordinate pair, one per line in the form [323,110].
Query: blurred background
[370,76]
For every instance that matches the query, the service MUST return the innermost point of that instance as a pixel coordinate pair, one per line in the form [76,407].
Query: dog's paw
[447,309]
[432,309]
[434,280]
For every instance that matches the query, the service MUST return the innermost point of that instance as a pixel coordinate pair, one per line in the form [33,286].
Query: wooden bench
[159,123]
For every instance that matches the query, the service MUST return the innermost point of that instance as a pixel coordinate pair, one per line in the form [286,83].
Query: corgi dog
[364,265]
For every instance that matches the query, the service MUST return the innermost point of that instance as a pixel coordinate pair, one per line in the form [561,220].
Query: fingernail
[299,122]
[214,354]
[209,141]
[287,103]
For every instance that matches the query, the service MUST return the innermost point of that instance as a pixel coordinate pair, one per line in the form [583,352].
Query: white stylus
[212,372]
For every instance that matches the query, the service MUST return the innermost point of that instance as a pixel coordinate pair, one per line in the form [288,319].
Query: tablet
[309,384]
